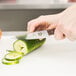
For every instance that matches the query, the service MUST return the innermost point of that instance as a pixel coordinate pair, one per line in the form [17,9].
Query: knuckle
[29,23]
[42,16]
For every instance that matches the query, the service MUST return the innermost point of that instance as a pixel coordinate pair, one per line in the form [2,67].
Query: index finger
[32,25]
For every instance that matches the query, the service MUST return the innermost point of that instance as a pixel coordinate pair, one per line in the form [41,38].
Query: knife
[37,34]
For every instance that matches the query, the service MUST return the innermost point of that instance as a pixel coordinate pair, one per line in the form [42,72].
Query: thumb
[58,34]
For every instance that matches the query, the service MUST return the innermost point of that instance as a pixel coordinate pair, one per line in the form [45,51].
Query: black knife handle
[50,31]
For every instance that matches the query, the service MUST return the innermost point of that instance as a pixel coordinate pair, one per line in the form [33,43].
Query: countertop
[5,6]
[54,58]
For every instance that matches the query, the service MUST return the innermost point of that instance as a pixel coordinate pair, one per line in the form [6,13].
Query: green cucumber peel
[6,62]
[13,56]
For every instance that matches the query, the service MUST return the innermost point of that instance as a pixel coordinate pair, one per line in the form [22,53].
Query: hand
[44,23]
[64,23]
[67,23]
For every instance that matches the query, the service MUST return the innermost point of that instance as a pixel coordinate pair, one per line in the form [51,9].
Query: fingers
[32,24]
[58,34]
[37,24]
[70,34]
[43,22]
[52,26]
[63,31]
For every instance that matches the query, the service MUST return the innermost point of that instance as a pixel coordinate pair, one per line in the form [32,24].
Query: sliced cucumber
[27,46]
[13,56]
[4,61]
[9,50]
[21,47]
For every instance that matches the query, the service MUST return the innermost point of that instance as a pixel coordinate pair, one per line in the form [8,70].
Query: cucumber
[27,46]
[13,56]
[21,48]
[4,61]
[10,50]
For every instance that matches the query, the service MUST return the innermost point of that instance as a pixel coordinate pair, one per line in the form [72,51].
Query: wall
[16,20]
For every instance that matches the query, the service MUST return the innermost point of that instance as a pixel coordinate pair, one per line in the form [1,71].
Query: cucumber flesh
[20,46]
[27,46]
[13,56]
[4,61]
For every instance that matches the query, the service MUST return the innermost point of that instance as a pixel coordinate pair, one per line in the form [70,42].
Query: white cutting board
[54,58]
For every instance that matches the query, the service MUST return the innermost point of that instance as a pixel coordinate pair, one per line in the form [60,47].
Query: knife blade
[37,34]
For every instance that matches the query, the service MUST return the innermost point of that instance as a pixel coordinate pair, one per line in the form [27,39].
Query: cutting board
[54,58]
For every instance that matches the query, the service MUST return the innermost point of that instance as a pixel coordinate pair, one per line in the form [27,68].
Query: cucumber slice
[13,56]
[10,51]
[27,46]
[4,61]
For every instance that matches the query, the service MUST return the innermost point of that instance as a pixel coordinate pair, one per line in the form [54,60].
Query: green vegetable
[27,46]
[4,61]
[13,56]
[21,48]
[10,50]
